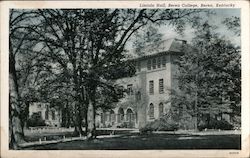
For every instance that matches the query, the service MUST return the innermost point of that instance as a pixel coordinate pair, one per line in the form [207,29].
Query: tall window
[161,108]
[112,116]
[151,111]
[154,63]
[102,118]
[138,96]
[151,87]
[130,89]
[46,115]
[161,86]
[149,64]
[159,62]
[164,61]
[53,115]
[120,91]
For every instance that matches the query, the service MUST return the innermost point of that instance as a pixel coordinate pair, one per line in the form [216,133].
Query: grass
[59,135]
[152,141]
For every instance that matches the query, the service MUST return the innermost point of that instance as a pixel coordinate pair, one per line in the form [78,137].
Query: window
[151,111]
[154,63]
[46,115]
[161,108]
[47,112]
[149,64]
[161,86]
[164,61]
[120,115]
[120,91]
[39,105]
[151,87]
[39,113]
[112,116]
[53,115]
[130,89]
[102,118]
[159,62]
[106,117]
[138,96]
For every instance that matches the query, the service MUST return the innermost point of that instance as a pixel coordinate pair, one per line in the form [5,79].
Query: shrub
[126,125]
[215,124]
[35,120]
[161,124]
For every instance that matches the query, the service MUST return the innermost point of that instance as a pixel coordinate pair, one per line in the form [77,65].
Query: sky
[215,19]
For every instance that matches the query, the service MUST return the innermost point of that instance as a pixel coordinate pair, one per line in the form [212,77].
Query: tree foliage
[70,59]
[209,76]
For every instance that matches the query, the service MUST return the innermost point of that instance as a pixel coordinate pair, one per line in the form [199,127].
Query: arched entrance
[130,115]
[112,117]
[120,115]
[151,111]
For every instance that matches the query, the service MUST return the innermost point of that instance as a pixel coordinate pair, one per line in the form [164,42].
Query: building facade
[147,95]
[50,115]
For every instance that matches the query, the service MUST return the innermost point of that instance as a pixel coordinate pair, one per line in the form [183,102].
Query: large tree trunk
[91,130]
[79,118]
[68,115]
[77,124]
[86,118]
[16,132]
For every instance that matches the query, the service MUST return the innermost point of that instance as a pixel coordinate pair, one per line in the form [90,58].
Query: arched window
[151,111]
[138,96]
[130,115]
[53,115]
[112,113]
[46,114]
[102,118]
[161,108]
[120,115]
[106,116]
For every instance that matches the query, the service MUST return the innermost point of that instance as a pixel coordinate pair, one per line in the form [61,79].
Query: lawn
[135,141]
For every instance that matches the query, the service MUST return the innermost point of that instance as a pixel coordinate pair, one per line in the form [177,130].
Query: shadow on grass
[150,142]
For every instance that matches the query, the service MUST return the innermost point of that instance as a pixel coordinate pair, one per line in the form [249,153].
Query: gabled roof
[172,45]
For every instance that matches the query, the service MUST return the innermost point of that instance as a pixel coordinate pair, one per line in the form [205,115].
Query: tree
[88,51]
[209,76]
[19,72]
[233,24]
[107,42]
[148,36]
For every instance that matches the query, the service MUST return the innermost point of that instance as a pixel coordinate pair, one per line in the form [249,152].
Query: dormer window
[130,89]
[164,61]
[154,63]
[158,62]
[149,64]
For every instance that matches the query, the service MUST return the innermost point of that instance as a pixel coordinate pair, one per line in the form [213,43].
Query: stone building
[147,94]
[50,115]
